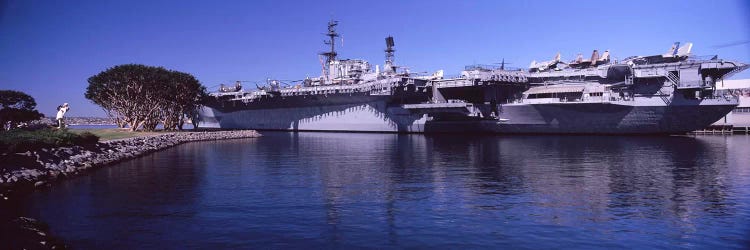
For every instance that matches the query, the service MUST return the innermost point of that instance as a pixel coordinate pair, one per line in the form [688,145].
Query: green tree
[15,108]
[144,96]
[185,94]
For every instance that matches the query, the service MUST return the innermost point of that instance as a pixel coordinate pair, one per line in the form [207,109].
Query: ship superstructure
[348,96]
[669,93]
[662,94]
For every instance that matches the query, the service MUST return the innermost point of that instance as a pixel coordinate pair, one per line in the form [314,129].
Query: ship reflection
[560,180]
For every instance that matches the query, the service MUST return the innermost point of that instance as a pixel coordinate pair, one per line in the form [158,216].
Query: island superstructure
[671,93]
[348,96]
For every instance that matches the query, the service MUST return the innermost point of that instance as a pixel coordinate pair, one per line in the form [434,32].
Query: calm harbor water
[339,190]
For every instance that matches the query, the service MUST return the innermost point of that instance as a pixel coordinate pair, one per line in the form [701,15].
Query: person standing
[61,110]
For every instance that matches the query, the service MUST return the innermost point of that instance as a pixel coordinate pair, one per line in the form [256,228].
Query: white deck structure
[740,116]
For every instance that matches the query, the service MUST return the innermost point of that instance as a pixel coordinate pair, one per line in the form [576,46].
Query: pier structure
[738,120]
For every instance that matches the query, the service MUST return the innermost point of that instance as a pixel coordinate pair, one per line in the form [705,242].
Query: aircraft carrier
[672,93]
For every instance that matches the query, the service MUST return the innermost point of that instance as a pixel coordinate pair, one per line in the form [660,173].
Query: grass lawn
[114,133]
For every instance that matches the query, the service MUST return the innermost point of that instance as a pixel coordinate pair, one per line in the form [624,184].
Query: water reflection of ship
[610,176]
[600,180]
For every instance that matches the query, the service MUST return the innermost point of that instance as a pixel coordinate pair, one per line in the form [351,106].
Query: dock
[723,130]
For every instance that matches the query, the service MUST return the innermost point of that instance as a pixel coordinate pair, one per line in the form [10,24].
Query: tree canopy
[15,108]
[141,96]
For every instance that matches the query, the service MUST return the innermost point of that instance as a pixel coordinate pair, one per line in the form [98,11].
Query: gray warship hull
[621,117]
[370,116]
[607,118]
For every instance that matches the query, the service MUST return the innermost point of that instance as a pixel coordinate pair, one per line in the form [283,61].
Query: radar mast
[331,55]
[389,54]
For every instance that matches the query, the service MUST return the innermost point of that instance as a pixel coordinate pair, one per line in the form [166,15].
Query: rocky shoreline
[33,169]
[23,172]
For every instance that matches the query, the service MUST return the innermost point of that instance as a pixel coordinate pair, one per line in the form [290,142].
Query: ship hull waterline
[568,118]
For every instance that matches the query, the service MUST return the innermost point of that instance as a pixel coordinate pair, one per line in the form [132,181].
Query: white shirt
[61,112]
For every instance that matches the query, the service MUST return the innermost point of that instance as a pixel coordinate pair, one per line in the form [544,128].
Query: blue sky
[49,48]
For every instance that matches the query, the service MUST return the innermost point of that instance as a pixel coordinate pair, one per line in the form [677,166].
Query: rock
[27,233]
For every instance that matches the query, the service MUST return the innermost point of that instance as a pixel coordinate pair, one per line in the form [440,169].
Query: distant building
[740,116]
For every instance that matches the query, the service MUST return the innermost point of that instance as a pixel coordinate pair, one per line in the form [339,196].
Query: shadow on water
[353,190]
[149,188]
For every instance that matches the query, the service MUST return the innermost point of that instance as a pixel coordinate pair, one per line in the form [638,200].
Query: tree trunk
[150,124]
[180,119]
[134,125]
[170,122]
[194,120]
[181,123]
[141,124]
[121,123]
